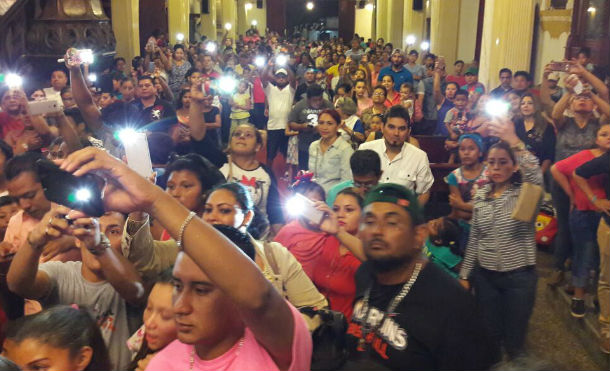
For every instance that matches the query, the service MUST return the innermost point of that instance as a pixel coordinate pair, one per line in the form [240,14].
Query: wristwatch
[101,247]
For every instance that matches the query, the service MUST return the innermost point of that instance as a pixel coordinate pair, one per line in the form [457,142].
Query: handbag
[329,337]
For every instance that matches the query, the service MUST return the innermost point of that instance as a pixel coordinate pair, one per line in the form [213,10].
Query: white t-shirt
[257,181]
[280,104]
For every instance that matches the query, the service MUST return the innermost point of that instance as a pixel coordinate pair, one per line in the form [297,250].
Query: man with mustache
[402,163]
[409,314]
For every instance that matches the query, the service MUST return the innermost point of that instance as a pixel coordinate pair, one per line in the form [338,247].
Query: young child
[456,122]
[241,104]
[465,181]
[374,130]
[406,97]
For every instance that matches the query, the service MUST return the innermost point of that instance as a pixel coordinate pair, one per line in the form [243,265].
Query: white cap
[281,70]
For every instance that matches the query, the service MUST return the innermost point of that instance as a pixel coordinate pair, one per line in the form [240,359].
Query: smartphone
[82,193]
[43,107]
[138,154]
[560,66]
[309,211]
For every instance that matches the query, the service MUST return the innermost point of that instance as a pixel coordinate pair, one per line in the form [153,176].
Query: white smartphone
[52,94]
[307,209]
[138,154]
[42,107]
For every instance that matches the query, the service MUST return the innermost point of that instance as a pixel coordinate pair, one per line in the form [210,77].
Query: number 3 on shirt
[312,119]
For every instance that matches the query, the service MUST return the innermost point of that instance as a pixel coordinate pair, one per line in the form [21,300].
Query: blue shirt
[399,76]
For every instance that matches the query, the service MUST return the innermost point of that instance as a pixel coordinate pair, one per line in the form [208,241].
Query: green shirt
[442,257]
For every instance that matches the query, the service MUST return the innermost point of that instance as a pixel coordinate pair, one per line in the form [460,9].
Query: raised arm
[196,120]
[82,96]
[438,94]
[262,308]
[116,268]
[24,278]
[167,64]
[330,225]
[597,84]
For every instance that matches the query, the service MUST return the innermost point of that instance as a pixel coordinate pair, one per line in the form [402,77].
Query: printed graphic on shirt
[388,333]
[312,119]
[255,187]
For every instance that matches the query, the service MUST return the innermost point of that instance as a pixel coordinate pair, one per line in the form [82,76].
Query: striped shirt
[498,242]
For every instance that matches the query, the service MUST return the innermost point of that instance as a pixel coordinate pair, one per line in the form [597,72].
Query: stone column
[229,15]
[444,27]
[507,38]
[178,19]
[381,20]
[208,22]
[413,23]
[393,22]
[126,27]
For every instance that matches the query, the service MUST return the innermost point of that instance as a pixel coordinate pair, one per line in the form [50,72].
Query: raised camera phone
[42,107]
[82,193]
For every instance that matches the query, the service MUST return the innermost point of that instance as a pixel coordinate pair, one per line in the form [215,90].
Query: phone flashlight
[92,77]
[126,135]
[180,37]
[12,80]
[210,47]
[281,60]
[295,206]
[86,56]
[227,84]
[259,61]
[228,26]
[424,45]
[496,107]
[82,195]
[410,39]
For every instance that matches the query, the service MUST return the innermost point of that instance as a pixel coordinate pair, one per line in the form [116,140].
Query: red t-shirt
[334,277]
[394,101]
[8,123]
[460,80]
[596,183]
[258,93]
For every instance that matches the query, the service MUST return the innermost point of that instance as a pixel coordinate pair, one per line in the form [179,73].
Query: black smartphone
[82,193]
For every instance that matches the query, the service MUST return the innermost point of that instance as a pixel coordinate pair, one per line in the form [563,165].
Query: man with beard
[408,313]
[402,163]
[279,88]
[396,70]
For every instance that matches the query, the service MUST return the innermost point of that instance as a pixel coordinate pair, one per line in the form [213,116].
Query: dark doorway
[153,15]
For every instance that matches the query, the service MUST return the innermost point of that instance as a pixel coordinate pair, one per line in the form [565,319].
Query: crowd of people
[284,226]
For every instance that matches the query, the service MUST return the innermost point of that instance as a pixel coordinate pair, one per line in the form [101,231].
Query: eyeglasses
[378,94]
[247,134]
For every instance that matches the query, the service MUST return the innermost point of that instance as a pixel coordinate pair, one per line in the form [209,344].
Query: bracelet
[183,227]
[593,199]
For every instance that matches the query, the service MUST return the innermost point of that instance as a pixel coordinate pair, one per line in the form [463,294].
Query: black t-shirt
[542,145]
[210,117]
[436,326]
[159,110]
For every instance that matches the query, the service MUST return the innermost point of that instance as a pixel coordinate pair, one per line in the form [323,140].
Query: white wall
[467,31]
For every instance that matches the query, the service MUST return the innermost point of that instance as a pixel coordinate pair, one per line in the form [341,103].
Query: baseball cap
[472,71]
[399,195]
[280,71]
[396,51]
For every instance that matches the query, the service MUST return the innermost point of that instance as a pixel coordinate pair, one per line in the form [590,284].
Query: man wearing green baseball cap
[409,314]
